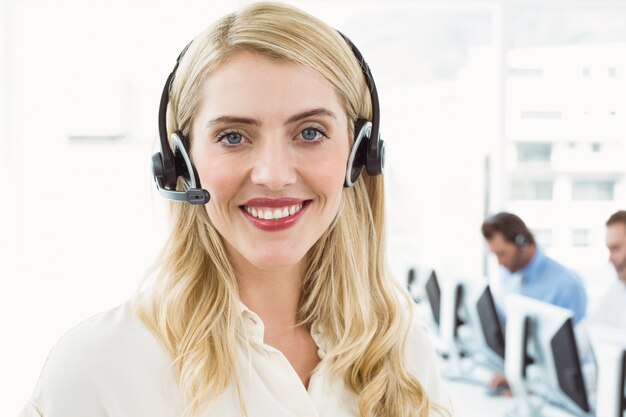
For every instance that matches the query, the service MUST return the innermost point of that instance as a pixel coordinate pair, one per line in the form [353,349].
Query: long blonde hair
[193,305]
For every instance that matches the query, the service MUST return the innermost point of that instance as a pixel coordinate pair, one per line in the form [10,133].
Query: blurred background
[486,106]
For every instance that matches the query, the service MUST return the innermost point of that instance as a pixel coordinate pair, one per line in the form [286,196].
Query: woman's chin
[275,262]
[267,256]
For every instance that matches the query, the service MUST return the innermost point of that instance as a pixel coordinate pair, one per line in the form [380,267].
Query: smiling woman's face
[270,144]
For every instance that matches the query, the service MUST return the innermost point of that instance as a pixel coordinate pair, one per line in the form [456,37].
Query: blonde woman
[271,297]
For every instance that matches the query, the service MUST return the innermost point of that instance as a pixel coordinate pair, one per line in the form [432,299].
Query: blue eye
[309,134]
[313,134]
[231,138]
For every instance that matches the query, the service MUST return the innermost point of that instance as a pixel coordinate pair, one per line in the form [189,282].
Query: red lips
[274,225]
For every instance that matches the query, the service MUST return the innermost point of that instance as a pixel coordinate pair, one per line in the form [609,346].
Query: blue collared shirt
[545,279]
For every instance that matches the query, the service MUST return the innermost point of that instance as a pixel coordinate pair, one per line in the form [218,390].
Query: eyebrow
[255,122]
[233,119]
[309,113]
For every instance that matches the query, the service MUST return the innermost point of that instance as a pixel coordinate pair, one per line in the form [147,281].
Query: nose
[274,164]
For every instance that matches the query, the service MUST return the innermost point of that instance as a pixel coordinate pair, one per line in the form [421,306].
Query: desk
[471,400]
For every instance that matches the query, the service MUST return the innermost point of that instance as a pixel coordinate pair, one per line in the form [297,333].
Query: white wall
[84,223]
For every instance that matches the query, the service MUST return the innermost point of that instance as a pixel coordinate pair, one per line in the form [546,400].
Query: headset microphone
[197,196]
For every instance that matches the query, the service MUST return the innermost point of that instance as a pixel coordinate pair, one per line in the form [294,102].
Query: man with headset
[610,309]
[528,271]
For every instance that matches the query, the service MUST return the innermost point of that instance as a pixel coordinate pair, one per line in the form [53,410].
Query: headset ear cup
[158,170]
[375,156]
[164,169]
[179,143]
[357,158]
[184,166]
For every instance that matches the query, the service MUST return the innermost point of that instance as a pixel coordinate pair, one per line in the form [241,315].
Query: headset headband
[371,85]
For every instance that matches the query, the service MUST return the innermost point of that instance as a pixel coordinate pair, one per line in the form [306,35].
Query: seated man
[610,310]
[528,271]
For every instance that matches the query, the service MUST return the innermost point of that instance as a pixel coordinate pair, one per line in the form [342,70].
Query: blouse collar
[254,330]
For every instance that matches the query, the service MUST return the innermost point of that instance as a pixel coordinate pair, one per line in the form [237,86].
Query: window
[581,237]
[593,190]
[534,152]
[531,190]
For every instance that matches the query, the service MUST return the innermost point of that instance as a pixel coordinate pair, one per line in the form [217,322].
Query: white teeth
[273,214]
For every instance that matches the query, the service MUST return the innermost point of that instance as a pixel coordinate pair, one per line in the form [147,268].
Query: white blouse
[112,366]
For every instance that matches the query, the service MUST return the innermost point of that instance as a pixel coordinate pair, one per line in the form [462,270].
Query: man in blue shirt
[528,271]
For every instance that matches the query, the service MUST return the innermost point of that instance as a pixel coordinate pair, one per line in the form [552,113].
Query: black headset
[368,150]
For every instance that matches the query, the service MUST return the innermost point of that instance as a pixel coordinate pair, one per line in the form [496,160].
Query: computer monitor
[445,298]
[490,323]
[488,340]
[545,333]
[410,279]
[433,292]
[609,347]
[447,302]
[416,278]
[467,324]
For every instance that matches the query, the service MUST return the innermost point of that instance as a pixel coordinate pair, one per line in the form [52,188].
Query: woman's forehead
[254,84]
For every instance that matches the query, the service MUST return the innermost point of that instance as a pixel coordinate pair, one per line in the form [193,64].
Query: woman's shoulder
[115,333]
[107,359]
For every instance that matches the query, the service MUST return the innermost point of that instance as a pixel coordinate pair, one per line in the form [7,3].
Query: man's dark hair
[617,217]
[510,226]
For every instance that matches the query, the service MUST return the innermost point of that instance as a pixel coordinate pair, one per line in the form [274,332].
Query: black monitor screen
[494,336]
[567,362]
[434,295]
[410,279]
